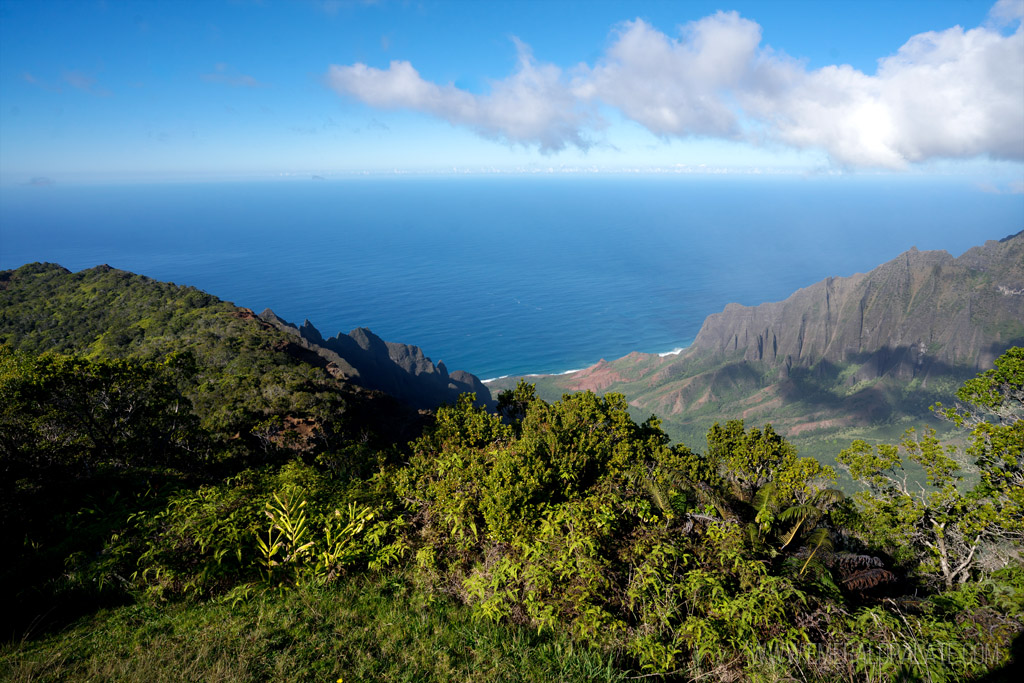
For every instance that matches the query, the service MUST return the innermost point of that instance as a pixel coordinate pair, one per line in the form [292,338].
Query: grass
[367,629]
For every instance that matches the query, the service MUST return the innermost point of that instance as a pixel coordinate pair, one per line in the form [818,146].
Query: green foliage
[84,444]
[943,529]
[200,543]
[585,438]
[751,459]
[239,371]
[946,528]
[556,577]
[581,519]
[704,600]
[515,490]
[262,529]
[186,459]
[77,414]
[513,404]
[472,476]
[294,553]
[999,391]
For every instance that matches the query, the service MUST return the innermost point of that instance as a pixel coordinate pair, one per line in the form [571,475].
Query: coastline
[674,352]
[533,374]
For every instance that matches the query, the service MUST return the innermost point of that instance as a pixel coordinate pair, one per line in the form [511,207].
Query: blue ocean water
[502,275]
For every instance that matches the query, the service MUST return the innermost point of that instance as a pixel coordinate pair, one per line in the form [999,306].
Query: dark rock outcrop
[401,370]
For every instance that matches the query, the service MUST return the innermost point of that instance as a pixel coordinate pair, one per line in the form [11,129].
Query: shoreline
[533,374]
[674,352]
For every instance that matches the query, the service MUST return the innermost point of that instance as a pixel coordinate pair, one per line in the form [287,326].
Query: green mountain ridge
[113,313]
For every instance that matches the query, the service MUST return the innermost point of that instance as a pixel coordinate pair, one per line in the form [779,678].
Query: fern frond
[826,498]
[821,539]
[765,496]
[848,563]
[868,578]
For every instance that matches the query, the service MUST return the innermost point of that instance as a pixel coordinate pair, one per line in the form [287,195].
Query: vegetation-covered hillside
[188,497]
[242,375]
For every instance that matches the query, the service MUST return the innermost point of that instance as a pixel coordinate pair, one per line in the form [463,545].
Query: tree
[513,403]
[996,395]
[945,526]
[752,459]
[72,412]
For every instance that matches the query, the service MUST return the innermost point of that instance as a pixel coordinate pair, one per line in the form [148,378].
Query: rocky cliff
[922,310]
[401,370]
[848,352]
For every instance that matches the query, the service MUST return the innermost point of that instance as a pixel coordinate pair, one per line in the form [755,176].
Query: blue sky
[112,91]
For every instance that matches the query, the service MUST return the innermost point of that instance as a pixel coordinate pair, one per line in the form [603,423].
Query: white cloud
[79,80]
[676,87]
[945,94]
[226,75]
[532,106]
[1012,187]
[1006,12]
[948,94]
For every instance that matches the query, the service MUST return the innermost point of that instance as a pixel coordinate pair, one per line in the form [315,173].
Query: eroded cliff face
[852,351]
[401,370]
[916,313]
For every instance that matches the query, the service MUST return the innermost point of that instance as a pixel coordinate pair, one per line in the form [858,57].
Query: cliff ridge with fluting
[871,349]
[401,370]
[922,310]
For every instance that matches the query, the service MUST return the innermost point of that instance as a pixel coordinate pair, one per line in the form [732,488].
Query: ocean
[502,275]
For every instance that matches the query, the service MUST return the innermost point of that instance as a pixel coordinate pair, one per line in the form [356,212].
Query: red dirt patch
[775,402]
[817,424]
[595,378]
[247,314]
